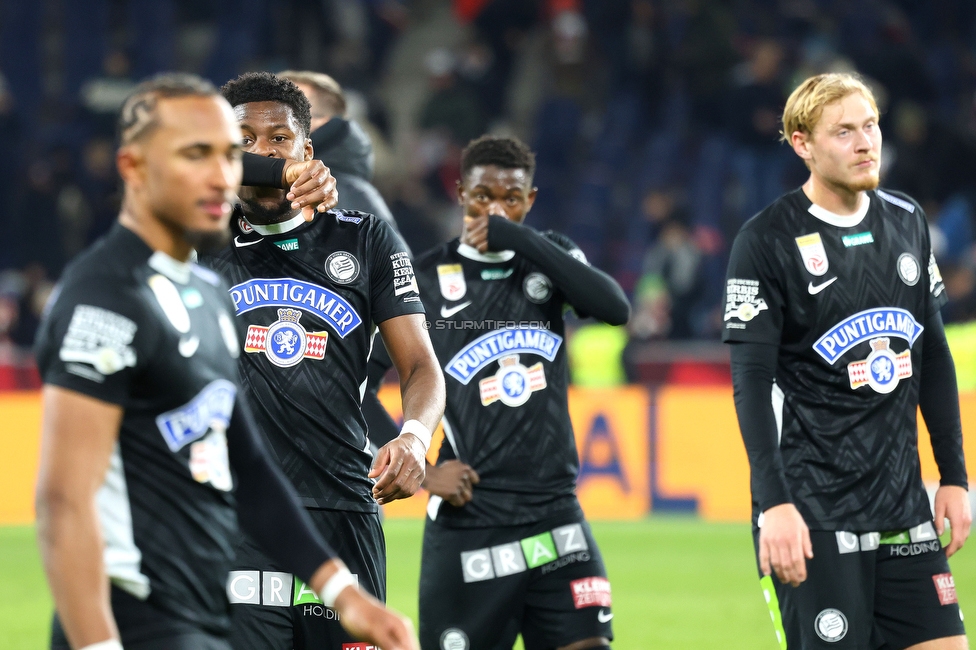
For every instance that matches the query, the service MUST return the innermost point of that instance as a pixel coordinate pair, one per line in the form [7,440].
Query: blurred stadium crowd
[655,122]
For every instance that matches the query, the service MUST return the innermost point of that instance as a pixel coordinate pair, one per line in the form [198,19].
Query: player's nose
[497,207]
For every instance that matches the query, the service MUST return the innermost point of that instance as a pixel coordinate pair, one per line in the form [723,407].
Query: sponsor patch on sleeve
[936,286]
[590,592]
[100,338]
[403,278]
[742,302]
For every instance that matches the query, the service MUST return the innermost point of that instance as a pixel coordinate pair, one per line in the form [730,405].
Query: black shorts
[144,626]
[272,610]
[867,591]
[480,587]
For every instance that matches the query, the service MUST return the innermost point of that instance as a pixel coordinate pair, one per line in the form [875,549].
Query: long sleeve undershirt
[267,505]
[263,171]
[753,372]
[590,291]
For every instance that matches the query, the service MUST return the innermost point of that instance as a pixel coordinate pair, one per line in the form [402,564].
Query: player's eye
[279,138]
[513,200]
[843,133]
[247,142]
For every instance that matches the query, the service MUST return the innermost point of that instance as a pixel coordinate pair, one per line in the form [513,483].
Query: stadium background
[654,123]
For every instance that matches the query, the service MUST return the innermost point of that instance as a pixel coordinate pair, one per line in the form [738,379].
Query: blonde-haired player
[832,309]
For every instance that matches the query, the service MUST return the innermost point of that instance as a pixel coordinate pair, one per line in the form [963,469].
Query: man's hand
[366,618]
[952,503]
[452,480]
[312,186]
[475,232]
[784,544]
[400,467]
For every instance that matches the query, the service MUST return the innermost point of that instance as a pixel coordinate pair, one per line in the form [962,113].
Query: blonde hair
[328,92]
[805,104]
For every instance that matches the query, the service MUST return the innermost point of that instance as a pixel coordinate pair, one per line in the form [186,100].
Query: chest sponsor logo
[513,384]
[211,408]
[908,269]
[192,298]
[742,300]
[831,625]
[100,338]
[945,585]
[936,287]
[285,342]
[496,274]
[450,278]
[288,292]
[492,346]
[882,370]
[857,239]
[813,254]
[550,550]
[864,326]
[454,639]
[342,267]
[537,288]
[287,244]
[591,592]
[403,278]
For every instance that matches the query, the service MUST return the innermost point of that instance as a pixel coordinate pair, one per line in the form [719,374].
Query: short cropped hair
[330,101]
[502,152]
[805,105]
[267,87]
[138,117]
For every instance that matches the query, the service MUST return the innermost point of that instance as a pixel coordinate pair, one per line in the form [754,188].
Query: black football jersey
[156,336]
[496,324]
[845,299]
[310,296]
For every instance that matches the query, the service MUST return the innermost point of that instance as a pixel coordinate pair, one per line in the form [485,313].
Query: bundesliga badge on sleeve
[285,342]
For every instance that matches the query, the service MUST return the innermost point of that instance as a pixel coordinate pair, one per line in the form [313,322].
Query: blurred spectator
[102,96]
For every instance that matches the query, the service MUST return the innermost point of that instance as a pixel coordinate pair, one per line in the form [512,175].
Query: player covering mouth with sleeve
[151,463]
[832,309]
[310,296]
[506,548]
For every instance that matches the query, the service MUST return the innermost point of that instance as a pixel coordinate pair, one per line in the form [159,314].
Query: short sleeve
[393,287]
[753,296]
[93,340]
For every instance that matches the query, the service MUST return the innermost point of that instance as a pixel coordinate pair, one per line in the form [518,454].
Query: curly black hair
[266,87]
[503,152]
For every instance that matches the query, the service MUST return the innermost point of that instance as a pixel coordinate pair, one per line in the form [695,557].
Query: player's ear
[130,162]
[460,192]
[309,151]
[801,144]
[530,198]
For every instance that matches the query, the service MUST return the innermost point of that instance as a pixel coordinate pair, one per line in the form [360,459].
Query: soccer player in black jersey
[832,306]
[150,457]
[506,547]
[311,296]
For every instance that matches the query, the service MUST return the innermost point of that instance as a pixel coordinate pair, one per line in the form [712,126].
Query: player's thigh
[915,595]
[358,540]
[260,594]
[833,607]
[569,598]
[464,604]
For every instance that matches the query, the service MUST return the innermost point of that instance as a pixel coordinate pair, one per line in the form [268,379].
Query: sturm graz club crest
[513,384]
[883,369]
[285,342]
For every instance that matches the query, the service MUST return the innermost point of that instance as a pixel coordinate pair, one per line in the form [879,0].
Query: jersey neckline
[839,220]
[470,252]
[278,228]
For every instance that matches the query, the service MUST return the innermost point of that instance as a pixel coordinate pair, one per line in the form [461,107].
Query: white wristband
[111,644]
[334,586]
[417,428]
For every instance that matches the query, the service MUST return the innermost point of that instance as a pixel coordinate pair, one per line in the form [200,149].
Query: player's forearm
[938,399]
[263,171]
[589,290]
[753,371]
[267,504]
[71,550]
[422,392]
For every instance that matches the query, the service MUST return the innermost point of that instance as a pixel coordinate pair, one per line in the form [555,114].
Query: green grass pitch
[678,583]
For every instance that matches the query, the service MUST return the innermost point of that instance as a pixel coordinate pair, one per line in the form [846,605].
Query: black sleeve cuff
[263,171]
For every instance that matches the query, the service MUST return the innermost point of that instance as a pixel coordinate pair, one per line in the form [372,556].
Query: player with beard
[832,306]
[311,296]
[150,459]
[506,547]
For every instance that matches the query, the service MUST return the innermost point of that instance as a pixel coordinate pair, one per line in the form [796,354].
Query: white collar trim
[842,220]
[278,228]
[472,254]
[172,268]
